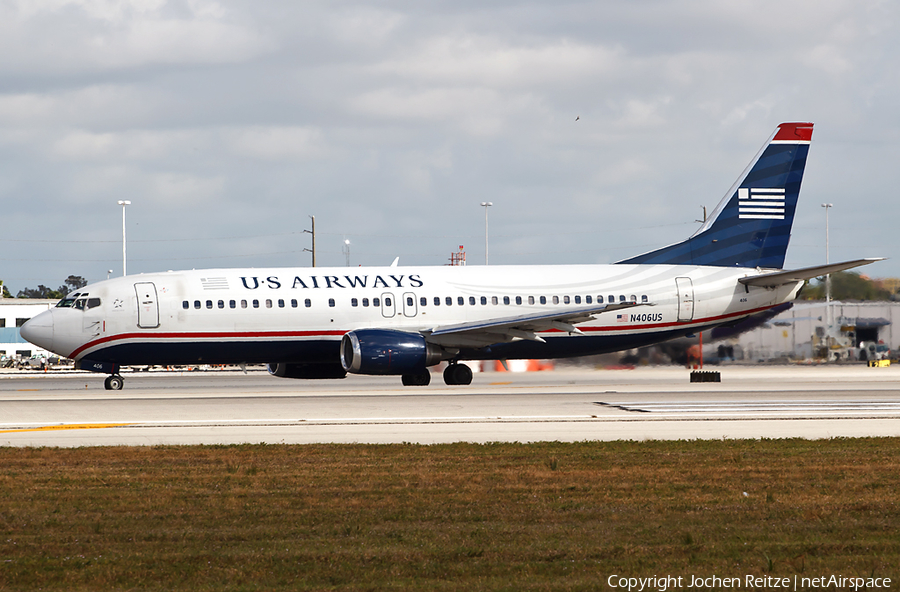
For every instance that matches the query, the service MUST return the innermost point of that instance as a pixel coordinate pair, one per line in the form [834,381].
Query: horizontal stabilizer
[779,278]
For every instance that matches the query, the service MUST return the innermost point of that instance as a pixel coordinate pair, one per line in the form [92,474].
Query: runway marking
[69,426]
[754,407]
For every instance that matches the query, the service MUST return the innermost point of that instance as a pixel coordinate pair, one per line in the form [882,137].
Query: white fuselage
[300,314]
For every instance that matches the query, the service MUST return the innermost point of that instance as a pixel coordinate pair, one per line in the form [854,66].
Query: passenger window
[565,299]
[531,300]
[185,304]
[587,300]
[268,303]
[543,300]
[577,300]
[495,300]
[243,304]
[437,300]
[293,303]
[460,300]
[423,301]
[483,300]
[448,301]
[221,304]
[196,304]
[644,298]
[232,304]
[354,302]
[307,303]
[556,300]
[365,302]
[209,304]
[612,299]
[376,302]
[409,301]
[633,298]
[518,300]
[621,298]
[471,301]
[599,299]
[256,304]
[281,303]
[387,302]
[331,302]
[506,300]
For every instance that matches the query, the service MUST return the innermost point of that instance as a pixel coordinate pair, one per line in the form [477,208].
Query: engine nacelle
[380,351]
[311,371]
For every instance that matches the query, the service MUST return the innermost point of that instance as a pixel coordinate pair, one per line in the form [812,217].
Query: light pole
[486,205]
[123,203]
[347,251]
[828,318]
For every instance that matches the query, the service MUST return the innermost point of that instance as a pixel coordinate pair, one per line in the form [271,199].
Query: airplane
[319,323]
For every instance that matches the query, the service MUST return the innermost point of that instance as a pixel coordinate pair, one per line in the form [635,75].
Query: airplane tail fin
[751,226]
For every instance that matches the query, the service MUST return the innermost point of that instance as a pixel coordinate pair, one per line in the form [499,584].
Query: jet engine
[381,351]
[306,370]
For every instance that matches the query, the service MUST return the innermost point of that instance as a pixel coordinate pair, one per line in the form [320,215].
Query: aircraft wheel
[422,379]
[457,374]
[114,382]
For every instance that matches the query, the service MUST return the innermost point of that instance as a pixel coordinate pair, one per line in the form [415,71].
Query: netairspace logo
[750,582]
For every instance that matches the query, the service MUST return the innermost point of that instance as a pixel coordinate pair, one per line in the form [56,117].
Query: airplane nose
[39,330]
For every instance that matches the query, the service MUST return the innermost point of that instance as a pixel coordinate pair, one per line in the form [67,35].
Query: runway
[166,408]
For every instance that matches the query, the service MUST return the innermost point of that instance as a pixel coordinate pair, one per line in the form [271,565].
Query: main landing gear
[457,374]
[421,379]
[114,382]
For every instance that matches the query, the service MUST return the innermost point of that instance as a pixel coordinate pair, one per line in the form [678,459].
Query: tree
[846,285]
[6,293]
[72,283]
[41,291]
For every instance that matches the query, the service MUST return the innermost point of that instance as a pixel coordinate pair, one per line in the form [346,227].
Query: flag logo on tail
[756,203]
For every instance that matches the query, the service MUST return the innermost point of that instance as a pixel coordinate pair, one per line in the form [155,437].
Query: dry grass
[455,517]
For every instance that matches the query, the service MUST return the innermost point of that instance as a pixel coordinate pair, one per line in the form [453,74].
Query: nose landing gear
[114,382]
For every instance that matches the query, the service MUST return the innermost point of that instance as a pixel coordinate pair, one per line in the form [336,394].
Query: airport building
[807,331]
[13,314]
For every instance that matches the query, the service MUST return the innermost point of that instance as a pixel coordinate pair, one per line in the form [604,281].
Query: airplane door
[387,306]
[148,307]
[409,304]
[685,298]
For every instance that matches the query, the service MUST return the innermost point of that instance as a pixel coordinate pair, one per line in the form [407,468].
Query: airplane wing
[505,329]
[778,278]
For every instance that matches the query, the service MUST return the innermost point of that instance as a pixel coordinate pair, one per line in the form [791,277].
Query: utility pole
[486,205]
[123,203]
[313,233]
[347,251]
[828,315]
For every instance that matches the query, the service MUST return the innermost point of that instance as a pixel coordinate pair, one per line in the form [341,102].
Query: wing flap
[514,328]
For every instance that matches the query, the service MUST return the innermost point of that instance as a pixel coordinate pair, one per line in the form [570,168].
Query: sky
[598,130]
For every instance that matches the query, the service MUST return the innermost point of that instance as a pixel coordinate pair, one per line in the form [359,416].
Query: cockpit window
[65,303]
[79,304]
[93,302]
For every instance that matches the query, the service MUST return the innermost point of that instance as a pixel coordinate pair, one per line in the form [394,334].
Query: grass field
[450,517]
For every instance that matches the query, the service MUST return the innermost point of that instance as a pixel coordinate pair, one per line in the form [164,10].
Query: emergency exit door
[685,298]
[148,307]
